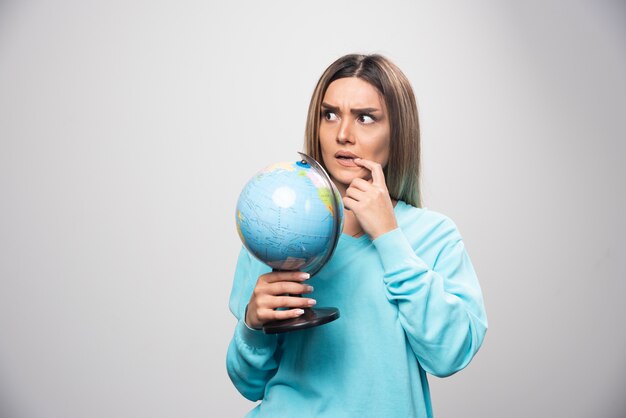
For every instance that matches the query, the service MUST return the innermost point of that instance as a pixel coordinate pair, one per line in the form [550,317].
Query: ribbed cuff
[253,338]
[245,315]
[394,249]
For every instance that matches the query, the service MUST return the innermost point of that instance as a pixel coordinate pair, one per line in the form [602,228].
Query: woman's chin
[343,180]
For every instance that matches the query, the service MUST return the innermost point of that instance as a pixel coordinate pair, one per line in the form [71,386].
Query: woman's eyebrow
[364,110]
[353,111]
[329,107]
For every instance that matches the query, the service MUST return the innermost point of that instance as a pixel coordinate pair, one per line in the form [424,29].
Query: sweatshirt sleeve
[251,357]
[440,308]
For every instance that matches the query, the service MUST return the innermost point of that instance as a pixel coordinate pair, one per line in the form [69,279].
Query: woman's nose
[345,133]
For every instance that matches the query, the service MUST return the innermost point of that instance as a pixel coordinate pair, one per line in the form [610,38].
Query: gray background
[128,128]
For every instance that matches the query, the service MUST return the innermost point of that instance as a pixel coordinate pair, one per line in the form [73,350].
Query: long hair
[402,172]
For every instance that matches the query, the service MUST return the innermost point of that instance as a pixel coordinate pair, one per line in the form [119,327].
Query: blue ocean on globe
[287,216]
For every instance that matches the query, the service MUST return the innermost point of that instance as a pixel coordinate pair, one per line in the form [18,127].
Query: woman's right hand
[273,291]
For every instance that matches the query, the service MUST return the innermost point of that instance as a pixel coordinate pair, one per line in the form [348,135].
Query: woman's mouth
[346,158]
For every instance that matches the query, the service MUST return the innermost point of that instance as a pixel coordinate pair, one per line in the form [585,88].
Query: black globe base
[311,317]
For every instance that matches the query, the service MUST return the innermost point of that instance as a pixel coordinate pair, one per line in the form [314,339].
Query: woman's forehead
[354,93]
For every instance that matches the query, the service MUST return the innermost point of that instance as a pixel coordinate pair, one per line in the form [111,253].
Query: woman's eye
[328,115]
[366,119]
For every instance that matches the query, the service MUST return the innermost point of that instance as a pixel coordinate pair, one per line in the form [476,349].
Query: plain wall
[128,128]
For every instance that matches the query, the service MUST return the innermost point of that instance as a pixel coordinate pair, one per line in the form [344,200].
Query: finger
[285,276]
[376,169]
[349,203]
[271,315]
[355,193]
[280,288]
[359,183]
[274,302]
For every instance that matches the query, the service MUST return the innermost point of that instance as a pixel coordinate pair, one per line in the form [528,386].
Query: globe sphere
[289,216]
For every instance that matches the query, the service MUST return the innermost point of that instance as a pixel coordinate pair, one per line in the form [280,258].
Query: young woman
[409,298]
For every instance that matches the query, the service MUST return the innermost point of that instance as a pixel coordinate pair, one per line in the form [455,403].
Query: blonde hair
[402,172]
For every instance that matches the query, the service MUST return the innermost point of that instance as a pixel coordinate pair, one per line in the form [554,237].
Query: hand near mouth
[370,201]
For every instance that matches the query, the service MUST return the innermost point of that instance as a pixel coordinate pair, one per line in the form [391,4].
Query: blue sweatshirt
[410,304]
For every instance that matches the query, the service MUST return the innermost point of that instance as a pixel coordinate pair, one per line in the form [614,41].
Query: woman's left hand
[370,202]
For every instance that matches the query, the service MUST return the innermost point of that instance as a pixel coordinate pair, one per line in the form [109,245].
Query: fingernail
[309,288]
[304,275]
[311,302]
[299,312]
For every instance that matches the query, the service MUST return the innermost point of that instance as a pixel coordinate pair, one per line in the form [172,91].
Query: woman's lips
[346,158]
[346,162]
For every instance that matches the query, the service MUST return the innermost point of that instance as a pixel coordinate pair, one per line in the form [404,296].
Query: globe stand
[311,317]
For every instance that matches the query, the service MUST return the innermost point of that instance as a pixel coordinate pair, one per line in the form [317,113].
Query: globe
[290,217]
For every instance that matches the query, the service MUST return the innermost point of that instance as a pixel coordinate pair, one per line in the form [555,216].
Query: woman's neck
[351,224]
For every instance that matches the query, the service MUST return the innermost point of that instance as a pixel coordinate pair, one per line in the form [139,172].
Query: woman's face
[354,124]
